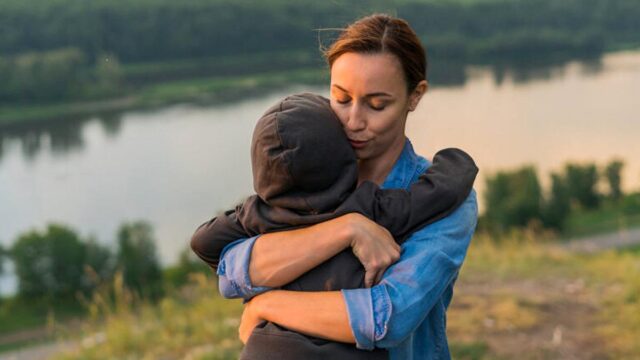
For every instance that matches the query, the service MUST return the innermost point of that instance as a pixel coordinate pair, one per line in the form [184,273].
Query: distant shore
[203,91]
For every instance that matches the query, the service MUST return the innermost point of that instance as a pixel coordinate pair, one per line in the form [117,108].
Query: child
[305,172]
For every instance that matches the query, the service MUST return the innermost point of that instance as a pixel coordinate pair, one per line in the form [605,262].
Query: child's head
[300,156]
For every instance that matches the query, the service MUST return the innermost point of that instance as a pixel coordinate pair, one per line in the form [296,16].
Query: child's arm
[251,218]
[211,237]
[439,191]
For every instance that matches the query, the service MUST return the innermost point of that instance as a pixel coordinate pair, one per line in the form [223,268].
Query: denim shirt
[406,311]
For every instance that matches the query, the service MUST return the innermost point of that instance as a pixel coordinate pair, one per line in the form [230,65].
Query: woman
[378,75]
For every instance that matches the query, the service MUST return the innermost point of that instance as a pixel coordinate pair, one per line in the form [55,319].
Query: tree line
[516,198]
[91,49]
[58,263]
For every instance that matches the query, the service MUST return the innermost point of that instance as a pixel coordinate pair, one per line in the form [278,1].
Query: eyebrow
[367,95]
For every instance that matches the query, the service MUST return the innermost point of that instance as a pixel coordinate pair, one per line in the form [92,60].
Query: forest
[72,50]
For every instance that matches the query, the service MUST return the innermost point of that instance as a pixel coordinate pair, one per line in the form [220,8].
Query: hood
[300,156]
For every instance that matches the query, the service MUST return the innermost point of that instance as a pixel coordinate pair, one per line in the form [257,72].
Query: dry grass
[529,300]
[195,323]
[516,299]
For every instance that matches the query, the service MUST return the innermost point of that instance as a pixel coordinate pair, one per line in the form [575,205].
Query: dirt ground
[527,319]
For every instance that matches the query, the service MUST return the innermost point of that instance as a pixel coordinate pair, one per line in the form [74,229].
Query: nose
[357,120]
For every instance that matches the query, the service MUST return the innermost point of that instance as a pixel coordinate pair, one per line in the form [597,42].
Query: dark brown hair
[381,33]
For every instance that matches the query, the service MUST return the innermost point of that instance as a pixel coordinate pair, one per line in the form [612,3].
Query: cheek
[341,112]
[385,123]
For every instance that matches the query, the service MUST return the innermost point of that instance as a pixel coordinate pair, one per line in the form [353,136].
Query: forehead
[368,73]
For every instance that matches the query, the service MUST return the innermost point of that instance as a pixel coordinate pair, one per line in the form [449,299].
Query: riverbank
[192,81]
[153,92]
[202,91]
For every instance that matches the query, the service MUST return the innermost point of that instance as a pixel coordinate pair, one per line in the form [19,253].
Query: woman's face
[369,95]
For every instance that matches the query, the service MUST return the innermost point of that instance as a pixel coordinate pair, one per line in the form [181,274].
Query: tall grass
[193,323]
[513,273]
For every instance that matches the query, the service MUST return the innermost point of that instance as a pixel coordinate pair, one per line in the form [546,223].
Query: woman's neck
[378,168]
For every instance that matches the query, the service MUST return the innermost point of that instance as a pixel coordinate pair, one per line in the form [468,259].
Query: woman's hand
[249,320]
[374,246]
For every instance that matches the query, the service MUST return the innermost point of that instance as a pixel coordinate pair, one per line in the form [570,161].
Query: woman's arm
[324,312]
[279,258]
[382,316]
[275,259]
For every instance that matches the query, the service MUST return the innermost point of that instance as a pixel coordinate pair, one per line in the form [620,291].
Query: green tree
[513,198]
[188,263]
[101,263]
[43,76]
[582,181]
[558,206]
[108,75]
[137,259]
[2,256]
[49,263]
[612,173]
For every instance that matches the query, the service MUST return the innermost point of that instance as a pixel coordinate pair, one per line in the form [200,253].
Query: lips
[357,144]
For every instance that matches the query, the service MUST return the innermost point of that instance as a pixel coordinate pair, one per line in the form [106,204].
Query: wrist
[350,228]
[345,229]
[261,304]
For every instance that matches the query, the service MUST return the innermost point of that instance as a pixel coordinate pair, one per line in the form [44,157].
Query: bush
[513,199]
[612,173]
[137,259]
[631,204]
[39,76]
[2,255]
[557,208]
[581,182]
[188,263]
[53,263]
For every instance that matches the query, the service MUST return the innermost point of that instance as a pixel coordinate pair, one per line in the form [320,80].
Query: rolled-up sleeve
[386,314]
[233,270]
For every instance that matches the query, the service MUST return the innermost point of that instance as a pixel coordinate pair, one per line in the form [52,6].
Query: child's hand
[248,322]
[374,246]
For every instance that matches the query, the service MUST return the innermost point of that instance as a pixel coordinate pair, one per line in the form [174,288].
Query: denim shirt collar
[403,171]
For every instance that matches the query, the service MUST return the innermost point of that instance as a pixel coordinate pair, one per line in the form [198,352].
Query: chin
[362,154]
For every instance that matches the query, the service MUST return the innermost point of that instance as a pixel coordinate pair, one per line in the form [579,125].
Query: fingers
[378,277]
[369,278]
[372,278]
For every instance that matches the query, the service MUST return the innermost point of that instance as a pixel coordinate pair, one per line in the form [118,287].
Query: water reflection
[547,68]
[447,73]
[59,137]
[111,124]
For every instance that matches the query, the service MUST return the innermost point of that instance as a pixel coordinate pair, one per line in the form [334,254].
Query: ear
[416,95]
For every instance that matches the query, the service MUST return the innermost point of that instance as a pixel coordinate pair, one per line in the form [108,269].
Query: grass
[194,322]
[516,298]
[233,65]
[521,296]
[19,314]
[469,350]
[28,322]
[212,90]
[610,216]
